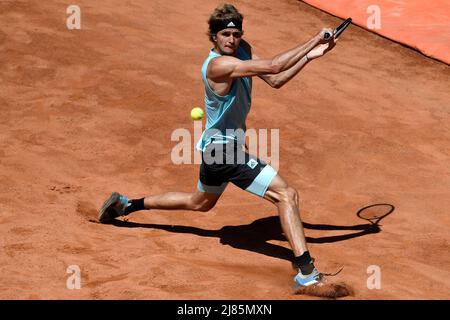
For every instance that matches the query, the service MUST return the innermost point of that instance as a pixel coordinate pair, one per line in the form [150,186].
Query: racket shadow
[374,213]
[255,236]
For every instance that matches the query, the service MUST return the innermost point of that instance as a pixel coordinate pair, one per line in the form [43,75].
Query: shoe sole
[113,198]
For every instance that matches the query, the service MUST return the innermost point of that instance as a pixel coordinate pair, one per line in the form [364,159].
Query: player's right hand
[323,32]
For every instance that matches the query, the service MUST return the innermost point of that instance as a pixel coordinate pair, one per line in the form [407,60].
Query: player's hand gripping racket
[338,31]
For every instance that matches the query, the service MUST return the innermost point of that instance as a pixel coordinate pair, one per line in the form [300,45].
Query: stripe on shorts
[262,181]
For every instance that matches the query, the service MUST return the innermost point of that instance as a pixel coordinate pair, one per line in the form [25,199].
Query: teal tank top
[225,115]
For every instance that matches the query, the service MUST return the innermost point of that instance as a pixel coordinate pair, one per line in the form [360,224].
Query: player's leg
[119,205]
[196,201]
[261,179]
[286,200]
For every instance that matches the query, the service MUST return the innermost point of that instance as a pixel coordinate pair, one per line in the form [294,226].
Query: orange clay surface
[91,111]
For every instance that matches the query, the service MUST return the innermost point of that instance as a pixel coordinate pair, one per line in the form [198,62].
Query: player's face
[227,41]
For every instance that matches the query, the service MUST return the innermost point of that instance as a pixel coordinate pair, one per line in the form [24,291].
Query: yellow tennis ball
[197,113]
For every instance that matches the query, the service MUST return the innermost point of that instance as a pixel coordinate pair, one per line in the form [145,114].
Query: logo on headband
[219,25]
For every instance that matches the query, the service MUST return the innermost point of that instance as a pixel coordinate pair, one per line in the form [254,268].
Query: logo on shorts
[252,163]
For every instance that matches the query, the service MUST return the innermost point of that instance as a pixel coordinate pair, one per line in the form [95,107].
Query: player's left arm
[280,79]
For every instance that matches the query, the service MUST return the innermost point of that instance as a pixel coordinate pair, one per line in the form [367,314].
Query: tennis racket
[338,31]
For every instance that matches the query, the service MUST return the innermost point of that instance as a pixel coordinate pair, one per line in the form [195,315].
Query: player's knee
[204,206]
[288,195]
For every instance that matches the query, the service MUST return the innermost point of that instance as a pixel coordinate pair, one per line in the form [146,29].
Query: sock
[134,205]
[304,263]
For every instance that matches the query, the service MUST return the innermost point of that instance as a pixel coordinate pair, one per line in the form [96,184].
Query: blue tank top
[225,115]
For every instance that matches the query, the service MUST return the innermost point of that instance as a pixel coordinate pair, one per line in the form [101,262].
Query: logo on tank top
[252,163]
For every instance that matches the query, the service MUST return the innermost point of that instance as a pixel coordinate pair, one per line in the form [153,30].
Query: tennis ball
[197,113]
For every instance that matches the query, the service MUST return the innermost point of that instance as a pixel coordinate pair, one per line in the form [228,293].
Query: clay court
[91,111]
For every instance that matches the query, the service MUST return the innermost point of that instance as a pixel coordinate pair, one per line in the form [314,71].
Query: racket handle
[327,35]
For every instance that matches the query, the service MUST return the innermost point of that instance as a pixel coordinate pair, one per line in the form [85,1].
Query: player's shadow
[255,236]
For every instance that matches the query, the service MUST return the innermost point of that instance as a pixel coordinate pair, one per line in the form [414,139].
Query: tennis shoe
[113,207]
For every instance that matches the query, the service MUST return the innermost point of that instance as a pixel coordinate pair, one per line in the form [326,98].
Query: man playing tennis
[227,75]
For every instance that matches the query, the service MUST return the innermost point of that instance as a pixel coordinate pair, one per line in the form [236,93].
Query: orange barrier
[421,24]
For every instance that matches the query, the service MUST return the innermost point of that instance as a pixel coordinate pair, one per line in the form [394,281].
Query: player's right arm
[228,67]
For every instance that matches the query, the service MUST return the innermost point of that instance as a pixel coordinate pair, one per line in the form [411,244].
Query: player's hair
[222,13]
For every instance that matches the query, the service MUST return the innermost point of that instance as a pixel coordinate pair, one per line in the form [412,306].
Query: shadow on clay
[255,236]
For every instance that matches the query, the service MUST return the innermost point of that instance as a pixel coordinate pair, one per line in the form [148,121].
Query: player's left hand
[321,49]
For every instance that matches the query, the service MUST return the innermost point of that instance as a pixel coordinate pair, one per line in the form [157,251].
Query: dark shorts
[222,164]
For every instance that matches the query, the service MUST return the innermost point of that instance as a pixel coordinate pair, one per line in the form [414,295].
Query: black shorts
[224,163]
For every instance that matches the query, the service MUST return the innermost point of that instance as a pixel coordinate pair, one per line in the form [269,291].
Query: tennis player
[227,76]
